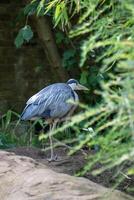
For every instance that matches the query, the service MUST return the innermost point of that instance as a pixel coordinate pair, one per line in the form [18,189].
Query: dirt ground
[71,165]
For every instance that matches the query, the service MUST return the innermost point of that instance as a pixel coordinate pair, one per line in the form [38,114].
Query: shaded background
[23,71]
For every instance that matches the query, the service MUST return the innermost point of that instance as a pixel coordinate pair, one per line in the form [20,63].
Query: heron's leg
[43,142]
[51,142]
[52,157]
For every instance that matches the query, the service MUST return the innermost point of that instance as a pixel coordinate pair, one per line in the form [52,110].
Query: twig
[126,176]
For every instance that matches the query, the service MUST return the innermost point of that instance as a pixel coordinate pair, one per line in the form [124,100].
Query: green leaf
[19,39]
[59,37]
[69,54]
[41,8]
[31,8]
[42,136]
[57,12]
[8,119]
[84,77]
[131,171]
[27,33]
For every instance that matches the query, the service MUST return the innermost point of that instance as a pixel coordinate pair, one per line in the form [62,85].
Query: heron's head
[74,84]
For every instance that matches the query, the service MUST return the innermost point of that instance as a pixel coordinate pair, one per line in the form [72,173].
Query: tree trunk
[47,40]
[46,37]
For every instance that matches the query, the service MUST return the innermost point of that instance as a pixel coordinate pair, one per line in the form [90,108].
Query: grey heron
[51,104]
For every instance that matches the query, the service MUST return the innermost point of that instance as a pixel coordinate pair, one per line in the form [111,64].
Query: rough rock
[23,178]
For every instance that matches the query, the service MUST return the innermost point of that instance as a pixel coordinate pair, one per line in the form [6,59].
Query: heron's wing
[58,104]
[51,101]
[39,96]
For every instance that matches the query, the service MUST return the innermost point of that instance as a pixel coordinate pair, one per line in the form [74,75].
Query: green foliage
[70,53]
[69,58]
[107,128]
[14,133]
[31,8]
[84,77]
[60,38]
[108,28]
[62,11]
[25,34]
[105,32]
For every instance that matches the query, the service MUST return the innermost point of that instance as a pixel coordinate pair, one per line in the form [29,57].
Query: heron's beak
[81,87]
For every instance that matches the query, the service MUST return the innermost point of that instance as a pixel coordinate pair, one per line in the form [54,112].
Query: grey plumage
[50,102]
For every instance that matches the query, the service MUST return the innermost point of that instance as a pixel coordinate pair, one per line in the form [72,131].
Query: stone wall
[23,71]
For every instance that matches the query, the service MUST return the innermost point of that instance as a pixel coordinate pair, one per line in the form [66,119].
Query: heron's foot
[53,158]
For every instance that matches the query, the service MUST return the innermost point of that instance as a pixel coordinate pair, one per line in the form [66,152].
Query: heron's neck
[72,85]
[76,98]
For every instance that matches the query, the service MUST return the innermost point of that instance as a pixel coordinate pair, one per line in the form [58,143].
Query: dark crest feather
[70,81]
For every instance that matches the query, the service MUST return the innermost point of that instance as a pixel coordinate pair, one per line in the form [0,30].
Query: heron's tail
[24,115]
[28,112]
